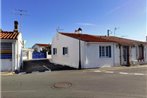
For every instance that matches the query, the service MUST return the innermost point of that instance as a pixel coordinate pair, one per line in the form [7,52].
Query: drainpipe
[113,56]
[120,53]
[79,52]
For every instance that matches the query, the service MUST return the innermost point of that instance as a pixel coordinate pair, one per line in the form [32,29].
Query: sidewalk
[118,67]
[7,73]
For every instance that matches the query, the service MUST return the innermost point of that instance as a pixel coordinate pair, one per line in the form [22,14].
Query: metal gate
[37,55]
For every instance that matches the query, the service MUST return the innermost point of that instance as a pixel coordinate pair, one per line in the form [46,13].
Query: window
[65,50]
[105,51]
[54,51]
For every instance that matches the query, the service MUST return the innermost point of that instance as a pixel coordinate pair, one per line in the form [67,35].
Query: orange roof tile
[8,35]
[94,38]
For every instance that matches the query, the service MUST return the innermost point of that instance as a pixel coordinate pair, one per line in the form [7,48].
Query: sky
[41,18]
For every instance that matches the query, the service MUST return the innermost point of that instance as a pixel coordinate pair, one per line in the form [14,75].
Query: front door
[126,55]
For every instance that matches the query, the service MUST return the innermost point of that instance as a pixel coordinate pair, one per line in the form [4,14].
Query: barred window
[105,51]
[65,50]
[54,51]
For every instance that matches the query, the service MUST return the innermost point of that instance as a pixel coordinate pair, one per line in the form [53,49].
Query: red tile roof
[86,37]
[42,44]
[94,38]
[8,35]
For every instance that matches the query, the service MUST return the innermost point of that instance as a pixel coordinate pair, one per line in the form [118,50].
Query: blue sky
[43,17]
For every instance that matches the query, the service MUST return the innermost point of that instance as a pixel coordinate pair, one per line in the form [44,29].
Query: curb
[7,73]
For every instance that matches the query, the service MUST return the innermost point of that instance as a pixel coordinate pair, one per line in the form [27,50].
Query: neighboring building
[96,51]
[27,53]
[11,49]
[41,47]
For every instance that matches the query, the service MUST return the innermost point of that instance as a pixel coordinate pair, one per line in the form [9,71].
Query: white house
[91,51]
[11,49]
[39,47]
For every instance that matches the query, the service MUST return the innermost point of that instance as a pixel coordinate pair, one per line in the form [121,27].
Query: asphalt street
[92,83]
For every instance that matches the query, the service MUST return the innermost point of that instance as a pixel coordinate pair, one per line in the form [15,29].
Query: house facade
[90,51]
[40,47]
[11,49]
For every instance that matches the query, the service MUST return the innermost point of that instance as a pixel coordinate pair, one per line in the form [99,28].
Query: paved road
[95,83]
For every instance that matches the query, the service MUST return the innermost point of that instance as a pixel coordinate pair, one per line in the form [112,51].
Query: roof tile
[8,35]
[94,38]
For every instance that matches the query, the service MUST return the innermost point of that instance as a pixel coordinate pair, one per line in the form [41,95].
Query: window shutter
[100,51]
[109,51]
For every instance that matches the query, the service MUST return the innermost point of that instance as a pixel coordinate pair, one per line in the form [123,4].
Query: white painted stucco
[38,48]
[92,59]
[16,61]
[90,53]
[60,41]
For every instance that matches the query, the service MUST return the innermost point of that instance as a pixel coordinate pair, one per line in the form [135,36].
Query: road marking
[97,71]
[139,74]
[108,71]
[124,73]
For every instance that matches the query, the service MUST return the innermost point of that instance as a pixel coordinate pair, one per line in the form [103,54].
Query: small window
[54,51]
[105,51]
[65,50]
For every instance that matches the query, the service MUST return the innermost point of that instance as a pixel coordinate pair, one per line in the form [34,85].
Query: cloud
[118,8]
[86,24]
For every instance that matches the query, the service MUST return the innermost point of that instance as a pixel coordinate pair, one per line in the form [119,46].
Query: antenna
[58,28]
[116,28]
[109,32]
[20,13]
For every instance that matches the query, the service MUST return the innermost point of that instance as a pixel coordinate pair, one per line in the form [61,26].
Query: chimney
[79,30]
[15,26]
[108,32]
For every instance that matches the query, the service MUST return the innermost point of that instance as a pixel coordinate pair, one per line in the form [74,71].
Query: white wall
[39,48]
[60,41]
[89,53]
[18,52]
[36,47]
[6,65]
[93,60]
[116,54]
[145,54]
